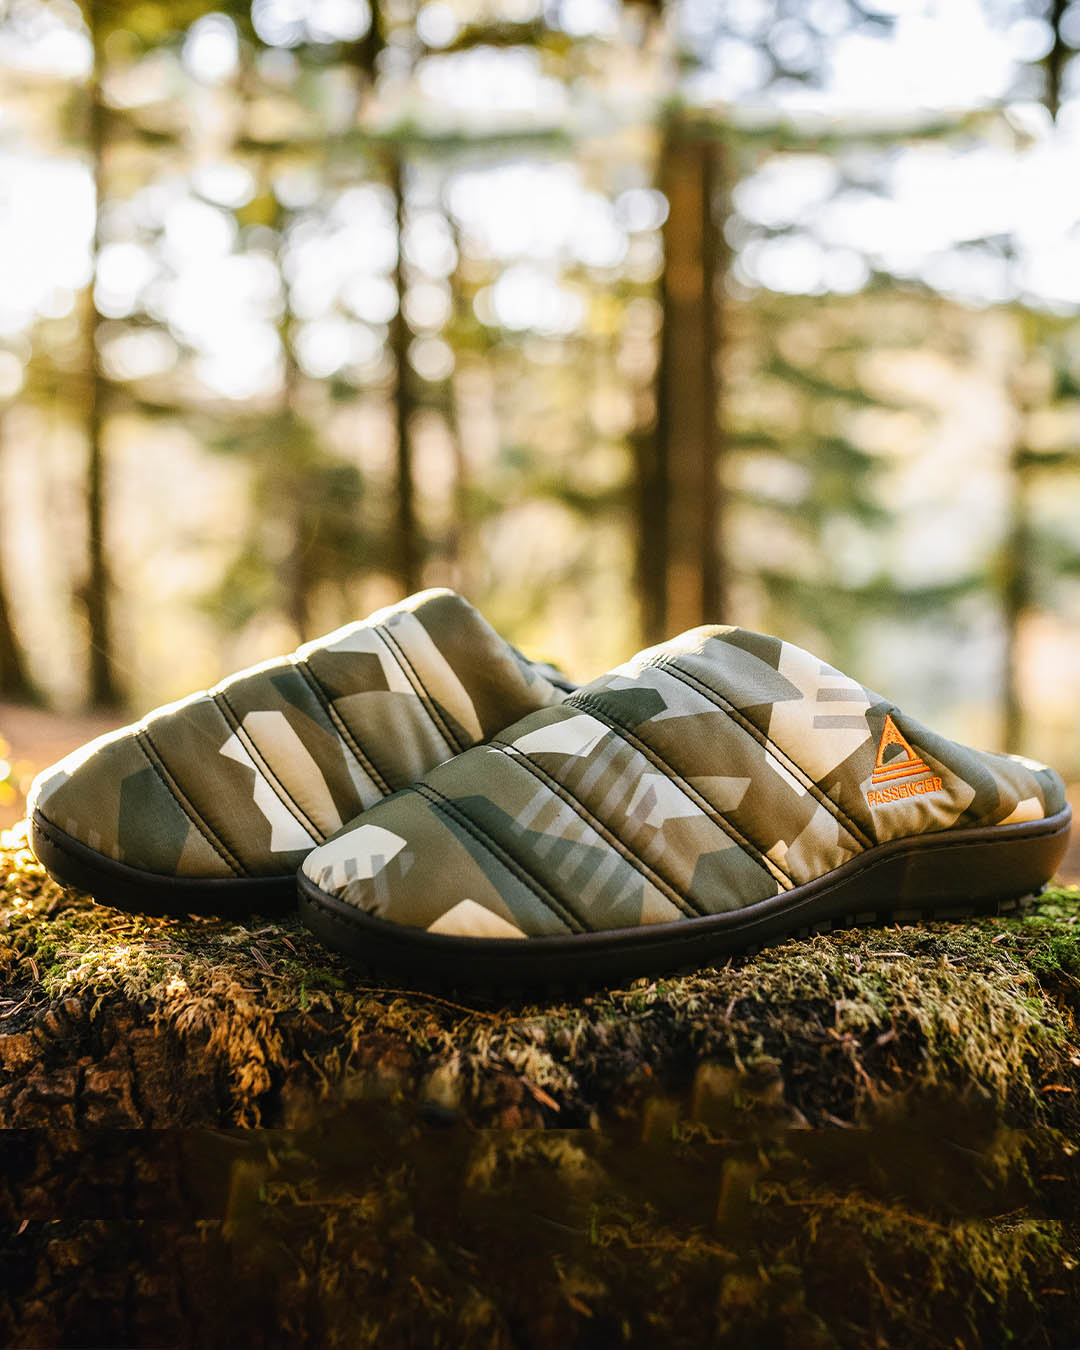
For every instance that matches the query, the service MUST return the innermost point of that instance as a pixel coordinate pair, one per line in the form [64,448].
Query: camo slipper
[210,804]
[716,792]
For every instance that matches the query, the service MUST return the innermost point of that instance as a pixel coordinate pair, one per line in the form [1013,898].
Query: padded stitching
[779,754]
[129,876]
[228,712]
[425,699]
[146,745]
[669,889]
[717,817]
[502,856]
[338,722]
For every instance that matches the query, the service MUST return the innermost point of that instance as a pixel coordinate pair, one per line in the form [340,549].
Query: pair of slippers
[445,808]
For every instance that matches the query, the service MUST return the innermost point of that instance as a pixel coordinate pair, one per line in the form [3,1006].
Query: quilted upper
[706,774]
[245,778]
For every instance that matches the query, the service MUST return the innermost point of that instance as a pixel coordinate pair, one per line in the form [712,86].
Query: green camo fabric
[704,775]
[246,778]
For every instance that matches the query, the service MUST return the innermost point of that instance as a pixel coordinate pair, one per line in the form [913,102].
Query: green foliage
[519,419]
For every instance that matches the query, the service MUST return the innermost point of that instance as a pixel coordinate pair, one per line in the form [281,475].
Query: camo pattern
[704,775]
[246,778]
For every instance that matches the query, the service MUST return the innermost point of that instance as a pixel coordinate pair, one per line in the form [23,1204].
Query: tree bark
[407,549]
[1015,602]
[15,682]
[292,486]
[1056,59]
[97,591]
[679,561]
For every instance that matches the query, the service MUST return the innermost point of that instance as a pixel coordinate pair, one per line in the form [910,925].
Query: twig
[261,961]
[434,998]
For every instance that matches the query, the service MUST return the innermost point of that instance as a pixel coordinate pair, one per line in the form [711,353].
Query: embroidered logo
[896,761]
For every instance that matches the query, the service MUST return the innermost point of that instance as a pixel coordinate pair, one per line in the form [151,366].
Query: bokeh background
[619,317]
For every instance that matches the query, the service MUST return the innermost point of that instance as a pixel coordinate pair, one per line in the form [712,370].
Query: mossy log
[863,1139]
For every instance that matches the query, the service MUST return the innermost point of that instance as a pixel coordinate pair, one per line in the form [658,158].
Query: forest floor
[863,1138]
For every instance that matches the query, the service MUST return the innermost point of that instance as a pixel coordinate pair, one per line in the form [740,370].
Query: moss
[869,1137]
[842,1021]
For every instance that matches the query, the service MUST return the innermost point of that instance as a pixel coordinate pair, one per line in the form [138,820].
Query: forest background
[618,317]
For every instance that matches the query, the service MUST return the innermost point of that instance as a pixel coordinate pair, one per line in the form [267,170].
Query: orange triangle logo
[904,764]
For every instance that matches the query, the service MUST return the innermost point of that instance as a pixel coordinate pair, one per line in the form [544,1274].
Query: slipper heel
[978,868]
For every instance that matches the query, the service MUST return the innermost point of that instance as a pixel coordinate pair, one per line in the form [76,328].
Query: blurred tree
[407,548]
[96,589]
[680,567]
[524,323]
[1041,383]
[15,682]
[682,537]
[1037,555]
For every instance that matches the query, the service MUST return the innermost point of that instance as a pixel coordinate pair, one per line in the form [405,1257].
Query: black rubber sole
[73,863]
[951,875]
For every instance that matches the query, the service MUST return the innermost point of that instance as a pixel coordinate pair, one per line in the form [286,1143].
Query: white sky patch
[46,224]
[485,81]
[124,270]
[242,361]
[537,211]
[288,23]
[138,353]
[437,24]
[528,298]
[229,185]
[50,40]
[328,344]
[211,48]
[946,56]
[938,199]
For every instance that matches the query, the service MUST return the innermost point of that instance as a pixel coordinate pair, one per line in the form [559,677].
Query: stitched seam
[502,856]
[143,876]
[714,696]
[773,868]
[146,745]
[341,726]
[228,713]
[425,699]
[653,877]
[881,910]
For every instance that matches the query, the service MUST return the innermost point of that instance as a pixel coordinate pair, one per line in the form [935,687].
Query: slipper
[718,791]
[211,803]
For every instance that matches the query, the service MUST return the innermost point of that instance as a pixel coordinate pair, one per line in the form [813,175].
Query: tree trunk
[679,564]
[1015,602]
[15,682]
[1056,59]
[104,685]
[459,537]
[406,550]
[291,485]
